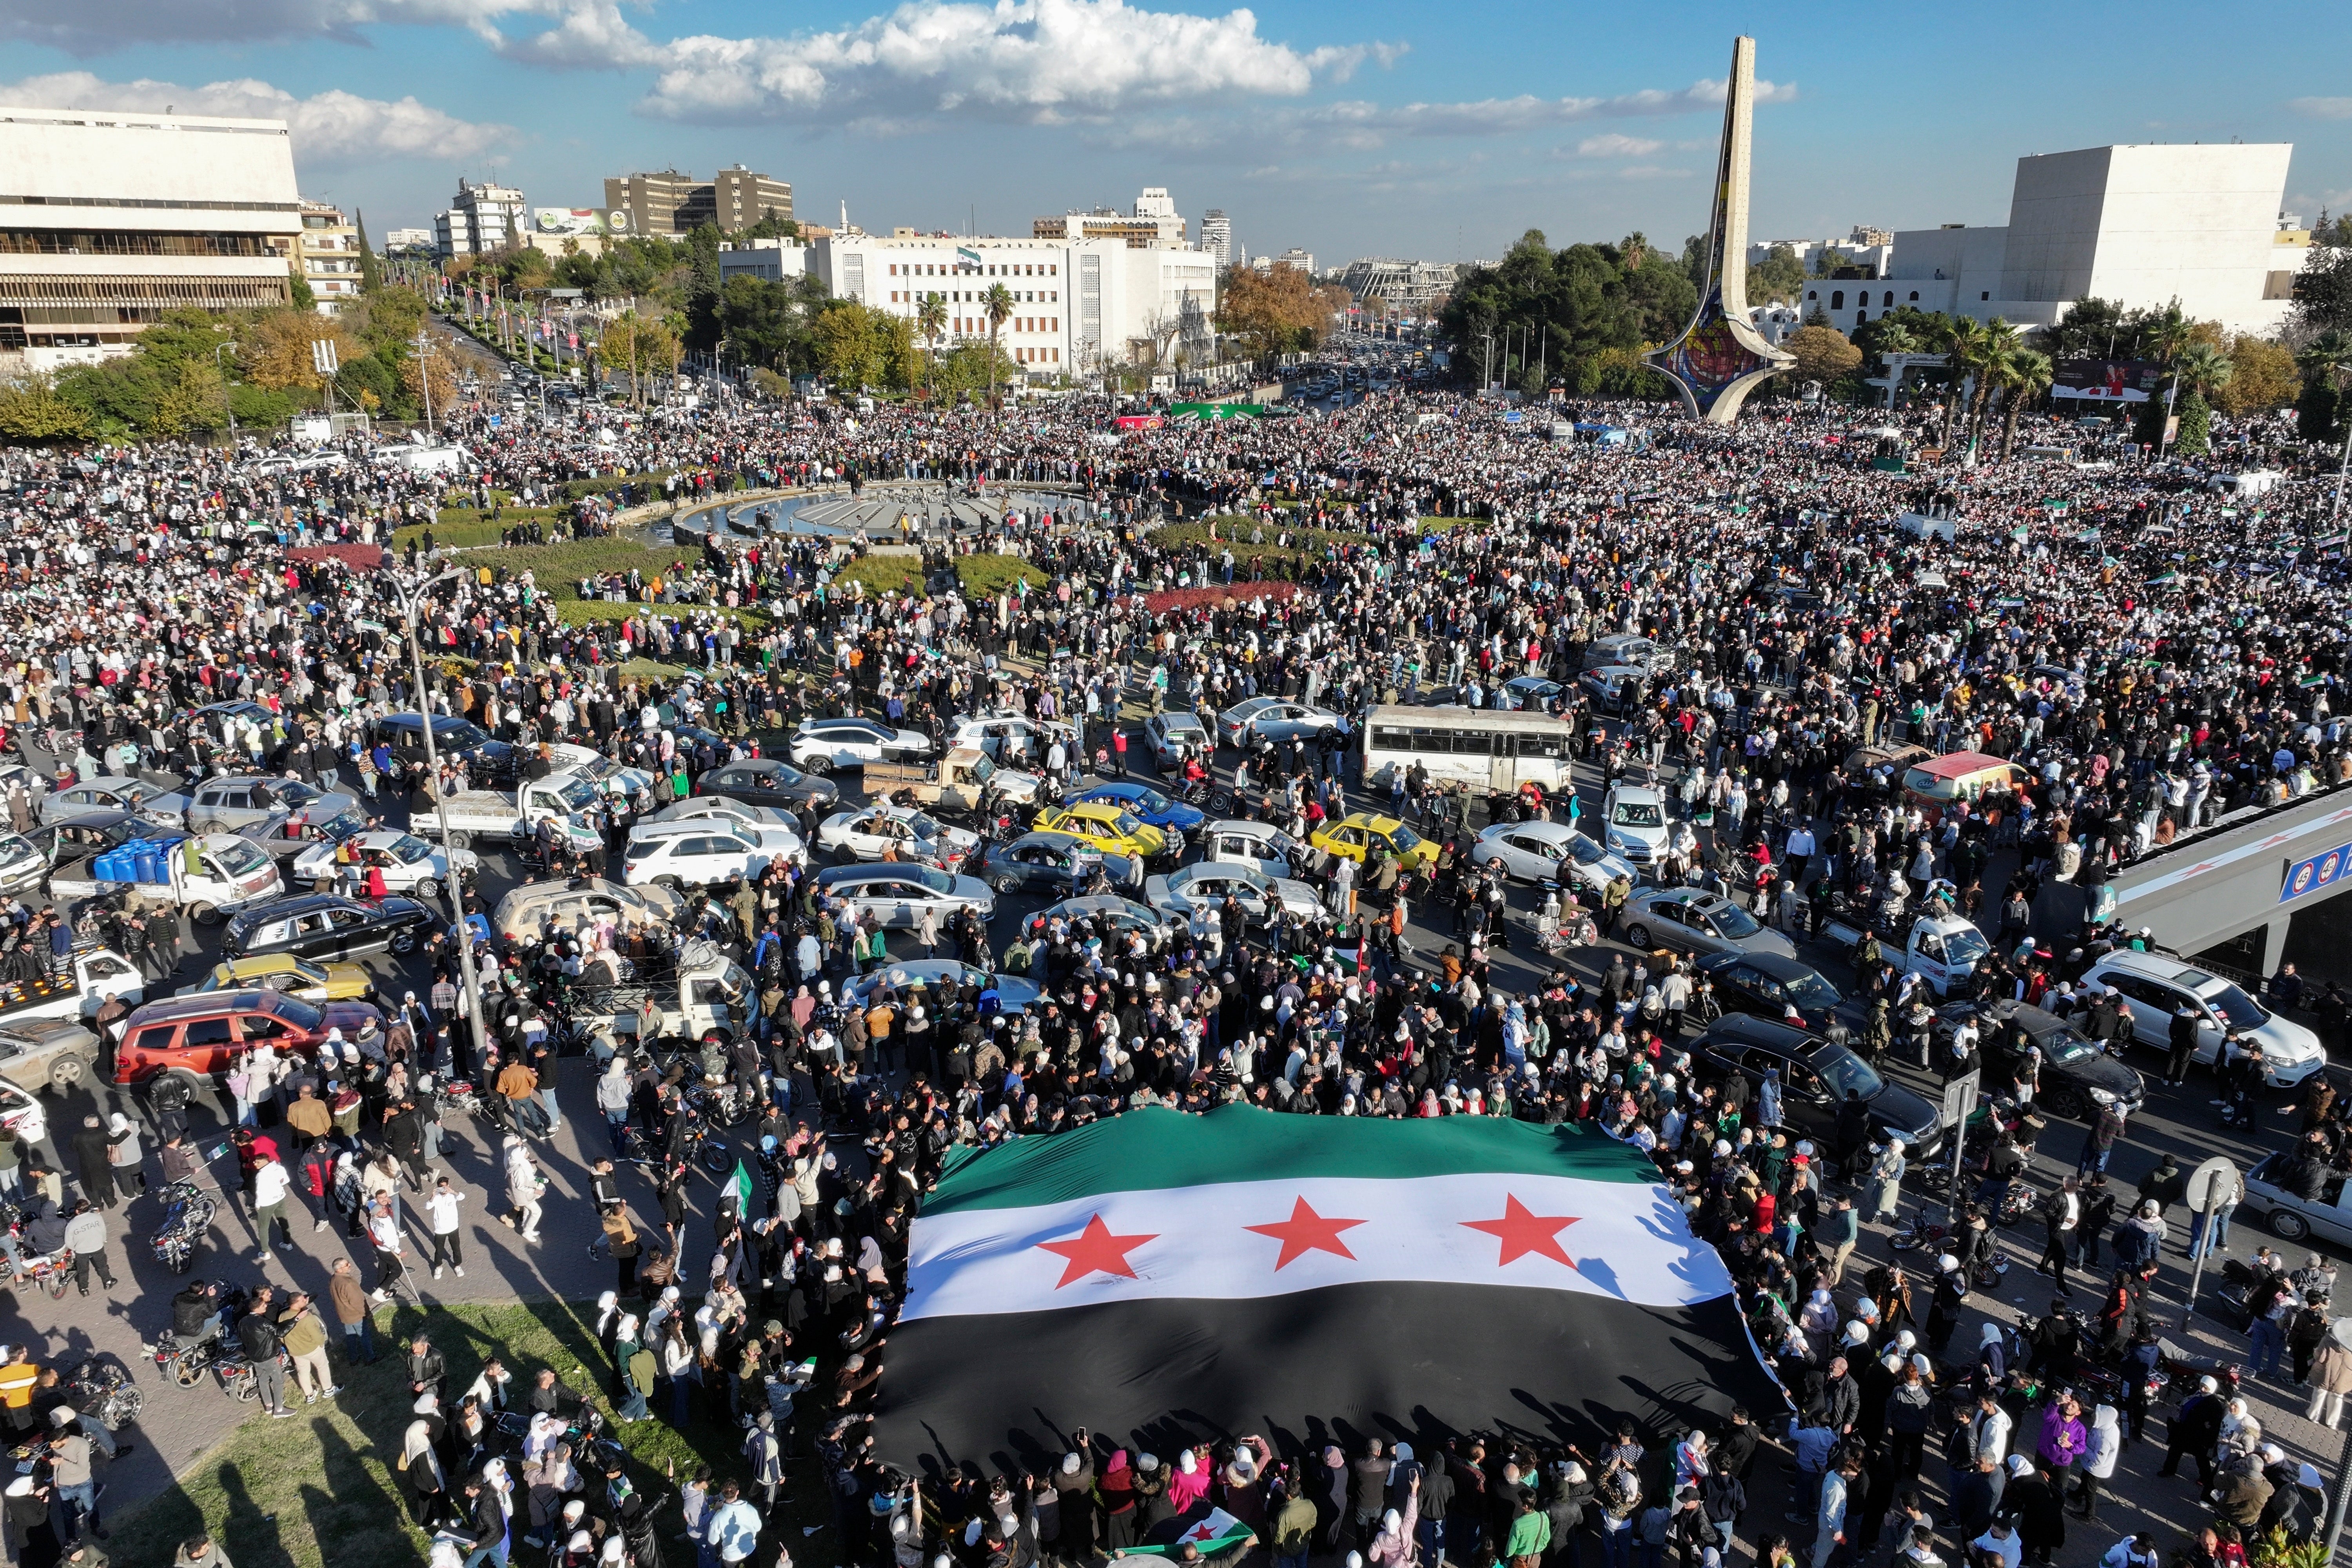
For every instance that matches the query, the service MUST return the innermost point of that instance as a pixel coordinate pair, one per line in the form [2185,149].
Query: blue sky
[1437,131]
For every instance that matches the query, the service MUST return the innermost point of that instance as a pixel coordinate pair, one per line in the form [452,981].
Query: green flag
[740,1183]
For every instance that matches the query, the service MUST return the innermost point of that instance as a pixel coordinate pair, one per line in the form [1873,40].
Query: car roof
[1741,1029]
[886,871]
[198,1004]
[650,828]
[1779,966]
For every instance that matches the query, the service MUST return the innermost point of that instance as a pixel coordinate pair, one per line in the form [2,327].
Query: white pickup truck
[98,973]
[1942,949]
[210,875]
[509,816]
[707,993]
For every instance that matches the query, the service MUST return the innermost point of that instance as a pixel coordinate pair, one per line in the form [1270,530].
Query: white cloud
[2323,107]
[1652,172]
[332,127]
[1034,61]
[1499,116]
[99,27]
[1616,144]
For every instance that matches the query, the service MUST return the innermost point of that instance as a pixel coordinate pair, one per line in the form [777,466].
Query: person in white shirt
[441,1218]
[733,1528]
[270,1185]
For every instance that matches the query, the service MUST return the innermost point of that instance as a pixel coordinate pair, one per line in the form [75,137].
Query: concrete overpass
[2252,872]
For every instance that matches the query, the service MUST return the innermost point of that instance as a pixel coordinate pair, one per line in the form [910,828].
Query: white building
[1154,223]
[1078,303]
[2141,225]
[407,241]
[482,218]
[331,257]
[1865,247]
[1217,236]
[774,261]
[113,216]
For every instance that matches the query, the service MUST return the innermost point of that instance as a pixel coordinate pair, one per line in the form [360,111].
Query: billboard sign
[2108,380]
[571,221]
[2315,873]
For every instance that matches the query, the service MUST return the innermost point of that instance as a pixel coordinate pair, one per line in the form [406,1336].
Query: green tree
[997,305]
[1823,355]
[297,290]
[930,320]
[2025,374]
[2262,376]
[31,410]
[2194,436]
[1780,277]
[2324,362]
[1963,347]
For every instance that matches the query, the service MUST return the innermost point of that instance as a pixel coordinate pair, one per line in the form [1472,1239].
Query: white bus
[1481,748]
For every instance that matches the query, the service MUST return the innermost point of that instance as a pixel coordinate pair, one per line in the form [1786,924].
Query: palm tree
[2203,369]
[1993,350]
[998,302]
[2169,333]
[2025,376]
[930,320]
[1963,342]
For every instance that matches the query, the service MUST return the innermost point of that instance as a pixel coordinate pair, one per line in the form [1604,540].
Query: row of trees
[1585,314]
[191,371]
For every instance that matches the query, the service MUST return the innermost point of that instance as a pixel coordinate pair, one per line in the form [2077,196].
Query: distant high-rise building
[1217,236]
[483,218]
[1152,226]
[669,202]
[331,257]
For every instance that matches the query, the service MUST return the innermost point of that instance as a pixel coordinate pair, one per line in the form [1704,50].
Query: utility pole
[459,928]
[424,375]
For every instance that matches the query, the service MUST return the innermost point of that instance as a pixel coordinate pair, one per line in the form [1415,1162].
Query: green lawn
[460,527]
[321,1489]
[985,576]
[580,612]
[1306,545]
[885,574]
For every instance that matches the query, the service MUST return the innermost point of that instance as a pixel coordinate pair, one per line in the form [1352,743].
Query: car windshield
[408,849]
[1843,1071]
[1127,823]
[1637,814]
[294,792]
[1966,945]
[1152,800]
[1734,921]
[1404,839]
[340,825]
[576,794]
[239,857]
[16,850]
[2065,1045]
[598,768]
[298,1013]
[1808,989]
[1584,850]
[2234,1005]
[925,827]
[459,734]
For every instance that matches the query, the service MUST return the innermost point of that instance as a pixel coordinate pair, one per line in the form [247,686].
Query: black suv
[488,763]
[1814,1078]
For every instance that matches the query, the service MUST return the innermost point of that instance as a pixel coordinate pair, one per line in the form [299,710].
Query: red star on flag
[1304,1232]
[1521,1233]
[1095,1250]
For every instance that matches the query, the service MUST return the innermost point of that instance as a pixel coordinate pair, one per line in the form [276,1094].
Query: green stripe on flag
[1153,1148]
[739,1183]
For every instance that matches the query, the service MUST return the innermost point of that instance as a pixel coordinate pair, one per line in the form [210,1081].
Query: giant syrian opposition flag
[1157,1276]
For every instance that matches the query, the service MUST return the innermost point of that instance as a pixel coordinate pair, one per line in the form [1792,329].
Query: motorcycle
[103,1391]
[457,1097]
[51,1270]
[185,1363]
[188,1212]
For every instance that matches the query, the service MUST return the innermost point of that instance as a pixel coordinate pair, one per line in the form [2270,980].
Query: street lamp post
[408,603]
[425,377]
[229,408]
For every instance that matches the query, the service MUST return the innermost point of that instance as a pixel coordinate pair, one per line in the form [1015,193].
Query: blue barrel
[151,867]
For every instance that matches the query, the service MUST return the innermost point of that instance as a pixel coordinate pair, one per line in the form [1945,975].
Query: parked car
[1352,837]
[1636,825]
[700,851]
[194,1038]
[1011,739]
[325,925]
[726,807]
[872,831]
[1688,919]
[1114,915]
[1815,1077]
[287,836]
[764,781]
[47,1053]
[1548,852]
[1051,863]
[1172,737]
[2155,985]
[231,803]
[24,864]
[158,803]
[1273,719]
[490,764]
[294,976]
[1113,830]
[1530,694]
[2073,1065]
[2274,1190]
[897,895]
[1771,985]
[821,746]
[409,864]
[577,902]
[1143,802]
[1197,889]
[1615,687]
[904,974]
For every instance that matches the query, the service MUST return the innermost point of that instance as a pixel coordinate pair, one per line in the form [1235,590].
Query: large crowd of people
[2159,654]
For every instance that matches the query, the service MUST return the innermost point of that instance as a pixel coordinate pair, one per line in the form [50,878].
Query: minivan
[2154,986]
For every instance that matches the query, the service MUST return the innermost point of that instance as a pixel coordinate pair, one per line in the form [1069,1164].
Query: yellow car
[1107,829]
[295,976]
[1351,835]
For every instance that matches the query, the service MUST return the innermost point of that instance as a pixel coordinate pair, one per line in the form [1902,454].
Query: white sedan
[409,864]
[871,832]
[1197,889]
[821,746]
[1546,852]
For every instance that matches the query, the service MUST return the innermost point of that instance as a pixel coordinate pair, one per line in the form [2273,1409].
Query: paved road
[180,1425]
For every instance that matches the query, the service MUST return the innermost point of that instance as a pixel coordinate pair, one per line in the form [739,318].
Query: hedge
[900,575]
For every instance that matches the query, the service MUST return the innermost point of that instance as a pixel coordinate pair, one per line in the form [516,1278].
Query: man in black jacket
[195,1313]
[426,1367]
[256,1334]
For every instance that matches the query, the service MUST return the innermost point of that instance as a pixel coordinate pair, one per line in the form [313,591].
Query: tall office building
[670,202]
[331,257]
[112,217]
[482,218]
[1217,236]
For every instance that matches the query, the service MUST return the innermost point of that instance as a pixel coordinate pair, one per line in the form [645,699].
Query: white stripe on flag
[1629,1242]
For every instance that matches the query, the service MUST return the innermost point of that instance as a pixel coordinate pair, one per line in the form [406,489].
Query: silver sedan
[112,794]
[1685,919]
[1547,852]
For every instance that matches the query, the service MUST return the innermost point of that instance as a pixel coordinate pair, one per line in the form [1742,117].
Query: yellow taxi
[312,980]
[1353,835]
[1109,828]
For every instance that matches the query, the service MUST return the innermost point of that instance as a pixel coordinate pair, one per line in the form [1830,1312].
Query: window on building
[1837,300]
[1812,293]
[1987,295]
[1915,296]
[1890,298]
[1860,317]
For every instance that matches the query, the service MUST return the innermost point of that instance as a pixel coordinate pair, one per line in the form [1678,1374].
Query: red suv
[195,1037]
